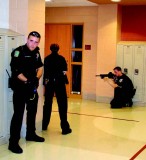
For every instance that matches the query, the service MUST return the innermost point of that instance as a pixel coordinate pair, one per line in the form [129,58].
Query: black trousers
[121,98]
[59,89]
[21,99]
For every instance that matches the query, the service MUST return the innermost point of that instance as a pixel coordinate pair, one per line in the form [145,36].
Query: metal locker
[8,41]
[2,83]
[12,43]
[128,60]
[138,71]
[132,65]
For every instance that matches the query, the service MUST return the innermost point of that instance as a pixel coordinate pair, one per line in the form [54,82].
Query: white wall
[4,13]
[106,48]
[18,16]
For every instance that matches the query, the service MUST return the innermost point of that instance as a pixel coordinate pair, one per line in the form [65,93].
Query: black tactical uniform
[124,93]
[54,81]
[26,62]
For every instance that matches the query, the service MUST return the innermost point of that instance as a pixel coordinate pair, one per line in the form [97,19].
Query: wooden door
[60,34]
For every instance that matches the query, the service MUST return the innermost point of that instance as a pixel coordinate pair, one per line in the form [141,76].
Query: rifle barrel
[97,75]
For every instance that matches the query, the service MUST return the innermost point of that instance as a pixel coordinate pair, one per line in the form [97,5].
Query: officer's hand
[45,82]
[34,82]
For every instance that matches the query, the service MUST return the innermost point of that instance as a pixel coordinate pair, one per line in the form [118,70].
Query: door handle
[136,71]
[125,70]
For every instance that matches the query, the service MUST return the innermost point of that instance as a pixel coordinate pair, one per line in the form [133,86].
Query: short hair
[35,34]
[54,47]
[117,68]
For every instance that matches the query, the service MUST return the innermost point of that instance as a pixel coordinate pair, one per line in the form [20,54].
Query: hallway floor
[99,133]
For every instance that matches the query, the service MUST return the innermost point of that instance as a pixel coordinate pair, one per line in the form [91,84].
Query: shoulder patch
[16,54]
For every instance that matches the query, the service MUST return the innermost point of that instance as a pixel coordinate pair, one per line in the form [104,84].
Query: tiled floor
[99,133]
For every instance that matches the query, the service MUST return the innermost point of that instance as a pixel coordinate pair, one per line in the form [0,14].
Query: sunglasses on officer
[35,34]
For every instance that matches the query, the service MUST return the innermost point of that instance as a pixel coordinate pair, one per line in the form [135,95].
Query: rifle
[109,75]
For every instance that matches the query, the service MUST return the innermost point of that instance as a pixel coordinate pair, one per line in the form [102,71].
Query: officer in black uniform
[123,89]
[27,67]
[55,80]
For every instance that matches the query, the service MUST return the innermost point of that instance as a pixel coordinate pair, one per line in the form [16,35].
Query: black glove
[32,85]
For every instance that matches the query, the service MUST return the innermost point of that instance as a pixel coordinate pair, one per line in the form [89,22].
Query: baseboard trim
[3,140]
[142,104]
[100,99]
[89,96]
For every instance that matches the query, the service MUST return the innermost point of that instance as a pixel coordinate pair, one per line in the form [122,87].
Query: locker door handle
[136,71]
[125,70]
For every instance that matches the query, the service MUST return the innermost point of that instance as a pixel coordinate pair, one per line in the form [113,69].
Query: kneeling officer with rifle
[123,88]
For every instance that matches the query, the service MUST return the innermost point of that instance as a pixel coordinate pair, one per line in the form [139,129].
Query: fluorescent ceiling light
[48,0]
[115,0]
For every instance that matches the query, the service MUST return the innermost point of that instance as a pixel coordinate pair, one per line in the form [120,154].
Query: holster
[66,79]
[11,83]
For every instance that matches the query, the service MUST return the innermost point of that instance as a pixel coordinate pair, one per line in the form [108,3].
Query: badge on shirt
[37,56]
[27,56]
[16,54]
[120,80]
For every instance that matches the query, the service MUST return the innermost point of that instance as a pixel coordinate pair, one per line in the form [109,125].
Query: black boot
[44,128]
[65,127]
[15,148]
[35,138]
[129,104]
[66,131]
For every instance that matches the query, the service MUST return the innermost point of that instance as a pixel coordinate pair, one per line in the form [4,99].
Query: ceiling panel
[123,2]
[68,3]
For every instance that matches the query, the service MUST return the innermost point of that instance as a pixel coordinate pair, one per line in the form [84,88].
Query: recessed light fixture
[48,0]
[116,0]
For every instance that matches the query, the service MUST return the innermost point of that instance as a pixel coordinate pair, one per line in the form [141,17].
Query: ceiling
[69,3]
[123,2]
